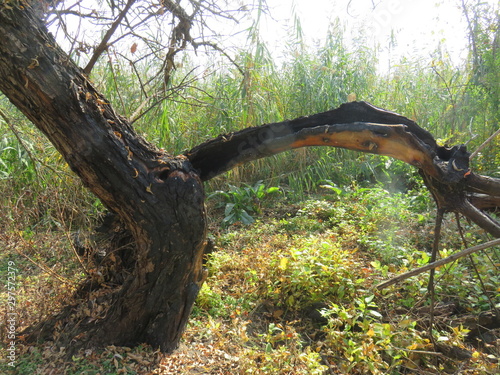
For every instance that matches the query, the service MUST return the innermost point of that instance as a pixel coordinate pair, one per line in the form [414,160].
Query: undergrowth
[293,293]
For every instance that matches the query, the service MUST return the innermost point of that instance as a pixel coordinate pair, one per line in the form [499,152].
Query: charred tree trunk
[363,127]
[159,197]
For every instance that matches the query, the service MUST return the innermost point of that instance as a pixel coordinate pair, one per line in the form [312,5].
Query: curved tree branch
[357,125]
[362,127]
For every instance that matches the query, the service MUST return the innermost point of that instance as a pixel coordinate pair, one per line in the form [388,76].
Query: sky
[418,26]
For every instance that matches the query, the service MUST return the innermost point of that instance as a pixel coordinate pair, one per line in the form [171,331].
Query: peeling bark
[159,197]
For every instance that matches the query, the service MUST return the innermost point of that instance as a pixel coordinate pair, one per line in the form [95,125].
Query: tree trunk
[363,127]
[160,198]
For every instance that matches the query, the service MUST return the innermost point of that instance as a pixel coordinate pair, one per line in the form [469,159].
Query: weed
[242,202]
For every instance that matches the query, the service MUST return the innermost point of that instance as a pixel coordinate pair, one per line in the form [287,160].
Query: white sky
[417,25]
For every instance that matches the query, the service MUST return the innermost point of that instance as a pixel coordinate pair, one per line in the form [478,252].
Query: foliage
[292,293]
[240,202]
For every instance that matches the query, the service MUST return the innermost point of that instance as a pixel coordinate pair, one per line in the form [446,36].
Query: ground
[292,293]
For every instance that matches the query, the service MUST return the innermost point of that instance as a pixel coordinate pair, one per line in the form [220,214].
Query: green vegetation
[239,203]
[297,254]
[293,292]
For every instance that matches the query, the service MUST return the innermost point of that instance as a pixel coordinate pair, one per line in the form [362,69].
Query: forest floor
[291,293]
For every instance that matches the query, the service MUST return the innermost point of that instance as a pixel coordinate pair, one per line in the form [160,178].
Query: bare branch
[217,48]
[484,201]
[483,184]
[357,126]
[479,217]
[484,144]
[362,127]
[104,42]
[438,263]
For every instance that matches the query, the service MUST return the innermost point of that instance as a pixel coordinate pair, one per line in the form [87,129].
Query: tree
[159,198]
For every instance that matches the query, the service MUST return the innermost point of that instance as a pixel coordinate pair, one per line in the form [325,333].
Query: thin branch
[484,144]
[438,263]
[430,285]
[473,263]
[164,95]
[104,42]
[217,48]
[42,265]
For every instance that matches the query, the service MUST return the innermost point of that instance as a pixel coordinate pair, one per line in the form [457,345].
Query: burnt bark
[363,127]
[159,197]
[354,126]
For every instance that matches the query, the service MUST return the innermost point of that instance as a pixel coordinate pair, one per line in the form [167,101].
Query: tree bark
[160,198]
[356,126]
[363,127]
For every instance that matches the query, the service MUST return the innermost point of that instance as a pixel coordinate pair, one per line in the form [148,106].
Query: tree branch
[483,184]
[362,127]
[104,42]
[438,263]
[357,126]
[479,217]
[484,201]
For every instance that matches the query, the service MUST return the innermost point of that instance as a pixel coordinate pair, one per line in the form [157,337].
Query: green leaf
[272,190]
[228,209]
[246,218]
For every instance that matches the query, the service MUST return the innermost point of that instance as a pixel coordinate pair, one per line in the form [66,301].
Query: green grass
[293,292]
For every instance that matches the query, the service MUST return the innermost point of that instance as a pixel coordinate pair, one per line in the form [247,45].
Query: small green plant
[240,203]
[15,161]
[362,343]
[283,352]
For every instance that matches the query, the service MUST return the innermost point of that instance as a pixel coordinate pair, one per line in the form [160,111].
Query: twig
[43,266]
[484,144]
[217,48]
[104,42]
[430,286]
[478,274]
[438,263]
[426,352]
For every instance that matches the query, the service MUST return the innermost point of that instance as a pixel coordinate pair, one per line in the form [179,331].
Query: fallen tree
[159,198]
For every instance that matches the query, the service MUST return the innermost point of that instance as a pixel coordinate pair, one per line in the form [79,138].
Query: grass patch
[290,293]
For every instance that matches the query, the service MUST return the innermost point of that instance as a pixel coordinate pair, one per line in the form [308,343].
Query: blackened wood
[226,151]
[160,198]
